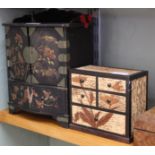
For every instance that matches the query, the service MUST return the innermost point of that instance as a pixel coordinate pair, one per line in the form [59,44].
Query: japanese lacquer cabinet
[106,101]
[39,57]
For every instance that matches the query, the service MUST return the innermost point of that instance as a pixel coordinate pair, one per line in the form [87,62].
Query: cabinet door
[49,55]
[40,99]
[16,42]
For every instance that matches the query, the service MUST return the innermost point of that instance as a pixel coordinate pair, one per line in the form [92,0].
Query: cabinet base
[101,133]
[64,122]
[14,110]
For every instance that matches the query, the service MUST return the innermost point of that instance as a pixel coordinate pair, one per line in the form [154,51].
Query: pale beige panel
[64,57]
[110,122]
[138,97]
[110,70]
[83,96]
[83,81]
[60,31]
[62,44]
[112,102]
[114,85]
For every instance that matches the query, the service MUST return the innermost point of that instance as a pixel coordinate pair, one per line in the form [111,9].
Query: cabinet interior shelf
[47,127]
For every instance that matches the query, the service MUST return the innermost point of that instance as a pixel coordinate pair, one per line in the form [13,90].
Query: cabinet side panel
[138,97]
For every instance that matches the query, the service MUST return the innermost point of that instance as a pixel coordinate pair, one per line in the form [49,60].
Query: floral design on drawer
[110,101]
[83,96]
[38,98]
[83,81]
[114,85]
[97,119]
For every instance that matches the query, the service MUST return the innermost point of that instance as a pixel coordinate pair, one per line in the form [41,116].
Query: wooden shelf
[47,127]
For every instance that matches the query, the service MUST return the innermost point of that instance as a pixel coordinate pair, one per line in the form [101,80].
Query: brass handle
[95,119]
[81,81]
[108,101]
[109,85]
[82,96]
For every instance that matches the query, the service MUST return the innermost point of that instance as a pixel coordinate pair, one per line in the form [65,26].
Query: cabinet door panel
[40,99]
[16,42]
[49,55]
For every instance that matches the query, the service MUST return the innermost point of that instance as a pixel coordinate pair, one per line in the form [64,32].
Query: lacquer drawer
[83,81]
[106,121]
[82,96]
[113,85]
[40,99]
[112,102]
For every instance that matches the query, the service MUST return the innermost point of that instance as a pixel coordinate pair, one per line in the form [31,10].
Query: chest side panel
[138,97]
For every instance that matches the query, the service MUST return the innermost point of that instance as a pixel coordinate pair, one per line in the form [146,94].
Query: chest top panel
[117,71]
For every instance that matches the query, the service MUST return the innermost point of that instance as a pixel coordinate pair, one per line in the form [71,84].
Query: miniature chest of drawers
[105,101]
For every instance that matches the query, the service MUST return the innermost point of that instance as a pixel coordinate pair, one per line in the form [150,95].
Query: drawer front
[110,122]
[112,102]
[113,85]
[40,99]
[83,81]
[83,96]
[49,57]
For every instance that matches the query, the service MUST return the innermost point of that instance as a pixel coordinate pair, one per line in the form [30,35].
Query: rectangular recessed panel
[83,81]
[112,102]
[41,99]
[83,96]
[114,85]
[97,119]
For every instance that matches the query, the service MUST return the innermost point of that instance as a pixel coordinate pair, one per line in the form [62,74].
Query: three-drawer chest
[106,101]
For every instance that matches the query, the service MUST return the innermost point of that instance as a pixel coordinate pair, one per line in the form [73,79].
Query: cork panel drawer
[83,81]
[114,85]
[83,96]
[112,102]
[110,122]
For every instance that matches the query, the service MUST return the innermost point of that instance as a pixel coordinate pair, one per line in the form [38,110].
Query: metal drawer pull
[81,81]
[82,96]
[109,85]
[108,101]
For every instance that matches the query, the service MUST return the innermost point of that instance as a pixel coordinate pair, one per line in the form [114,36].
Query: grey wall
[10,135]
[128,40]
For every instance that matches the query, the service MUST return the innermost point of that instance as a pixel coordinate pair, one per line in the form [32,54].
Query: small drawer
[112,102]
[83,96]
[114,85]
[97,119]
[83,81]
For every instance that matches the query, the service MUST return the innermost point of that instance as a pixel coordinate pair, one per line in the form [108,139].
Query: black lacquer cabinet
[39,57]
